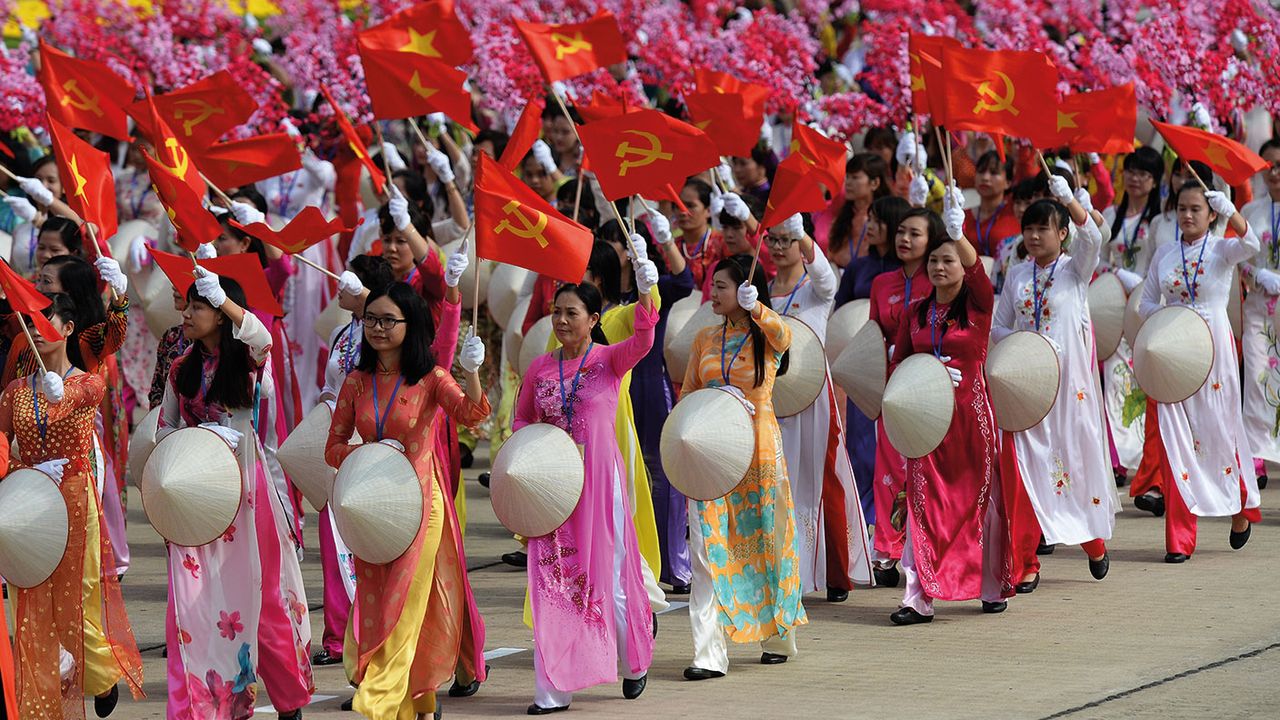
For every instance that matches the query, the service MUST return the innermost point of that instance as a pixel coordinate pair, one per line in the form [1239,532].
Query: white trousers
[992,549]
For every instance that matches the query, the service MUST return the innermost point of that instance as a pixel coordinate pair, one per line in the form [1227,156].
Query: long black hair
[256,247]
[737,266]
[233,379]
[875,168]
[68,231]
[79,283]
[1201,169]
[606,269]
[959,308]
[62,305]
[1147,160]
[592,300]
[416,358]
[889,210]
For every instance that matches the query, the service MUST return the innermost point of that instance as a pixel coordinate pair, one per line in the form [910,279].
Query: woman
[702,246]
[1261,353]
[754,173]
[50,416]
[834,552]
[990,224]
[412,632]
[1054,475]
[576,388]
[956,545]
[1206,468]
[866,180]
[172,345]
[237,609]
[746,567]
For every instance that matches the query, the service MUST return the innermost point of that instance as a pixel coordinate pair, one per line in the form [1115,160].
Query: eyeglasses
[774,241]
[386,324]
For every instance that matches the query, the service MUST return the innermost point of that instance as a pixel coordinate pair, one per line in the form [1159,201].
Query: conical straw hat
[537,480]
[1235,304]
[157,303]
[330,319]
[677,317]
[535,342]
[1022,379]
[844,324]
[677,351]
[917,406]
[505,283]
[302,456]
[1132,318]
[513,335]
[806,374]
[708,442]
[33,527]
[480,270]
[1173,354]
[141,442]
[192,487]
[1106,310]
[377,503]
[861,370]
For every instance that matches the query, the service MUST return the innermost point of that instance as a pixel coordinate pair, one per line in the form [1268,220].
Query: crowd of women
[826,505]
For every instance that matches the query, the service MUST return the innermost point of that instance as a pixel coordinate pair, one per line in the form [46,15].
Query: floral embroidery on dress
[1195,446]
[547,395]
[1026,307]
[567,581]
[229,625]
[1061,478]
[190,565]
[1173,281]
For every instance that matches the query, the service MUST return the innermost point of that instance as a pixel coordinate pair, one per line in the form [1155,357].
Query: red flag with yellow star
[201,112]
[525,133]
[723,118]
[306,228]
[355,143]
[244,268]
[24,298]
[753,96]
[826,157]
[405,85]
[194,224]
[244,162]
[645,153]
[516,226]
[1103,121]
[924,53]
[84,94]
[86,176]
[572,49]
[428,29]
[796,188]
[1006,91]
[1234,162]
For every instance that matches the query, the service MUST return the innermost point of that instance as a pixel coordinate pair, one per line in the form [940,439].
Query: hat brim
[1106,312]
[505,283]
[862,369]
[708,443]
[302,456]
[1173,354]
[919,402]
[377,503]
[806,376]
[537,480]
[192,487]
[1022,374]
[843,324]
[534,344]
[677,352]
[34,526]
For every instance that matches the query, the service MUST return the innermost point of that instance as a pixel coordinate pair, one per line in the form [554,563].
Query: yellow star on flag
[415,84]
[917,83]
[1067,120]
[421,43]
[80,181]
[1217,156]
[702,125]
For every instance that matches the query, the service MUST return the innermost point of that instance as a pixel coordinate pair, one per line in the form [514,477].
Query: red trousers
[1149,474]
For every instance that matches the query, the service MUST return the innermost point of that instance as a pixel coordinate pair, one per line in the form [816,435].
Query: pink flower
[230,625]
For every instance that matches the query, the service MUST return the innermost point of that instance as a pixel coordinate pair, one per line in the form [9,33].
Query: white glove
[290,129]
[206,251]
[953,197]
[392,443]
[639,250]
[1128,279]
[1220,203]
[437,121]
[21,207]
[394,159]
[918,192]
[736,207]
[209,288]
[36,190]
[398,206]
[747,296]
[455,266]
[792,228]
[217,210]
[139,253]
[542,153]
[953,219]
[109,271]
[51,386]
[53,468]
[726,174]
[717,205]
[660,227]
[250,22]
[350,284]
[1094,159]
[1268,280]
[1085,200]
[246,214]
[956,376]
[1200,116]
[230,435]
[646,275]
[736,392]
[908,150]
[471,356]
[1060,189]
[439,163]
[261,46]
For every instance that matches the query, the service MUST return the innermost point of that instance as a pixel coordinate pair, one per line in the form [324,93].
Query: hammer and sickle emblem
[566,45]
[529,229]
[200,109]
[180,160]
[998,103]
[82,100]
[648,156]
[75,173]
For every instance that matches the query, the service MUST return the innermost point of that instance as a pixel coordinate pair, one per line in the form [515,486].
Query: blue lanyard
[1182,249]
[42,421]
[1275,234]
[408,279]
[984,238]
[347,354]
[283,203]
[1037,292]
[31,246]
[380,421]
[803,280]
[935,338]
[863,236]
[697,250]
[566,403]
[725,369]
[906,293]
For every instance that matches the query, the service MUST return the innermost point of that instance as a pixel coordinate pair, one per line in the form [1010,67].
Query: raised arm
[821,276]
[1151,286]
[624,355]
[777,334]
[445,343]
[455,402]
[342,427]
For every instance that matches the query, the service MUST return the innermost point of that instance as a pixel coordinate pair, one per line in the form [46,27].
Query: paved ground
[1200,640]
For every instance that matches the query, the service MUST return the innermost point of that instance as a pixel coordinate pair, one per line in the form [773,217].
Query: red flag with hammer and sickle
[826,157]
[244,162]
[305,229]
[572,49]
[24,298]
[1234,162]
[84,94]
[194,224]
[1103,121]
[86,177]
[525,133]
[796,188]
[1006,91]
[516,226]
[170,153]
[244,268]
[201,112]
[355,143]
[924,53]
[645,153]
[723,118]
[429,29]
[405,85]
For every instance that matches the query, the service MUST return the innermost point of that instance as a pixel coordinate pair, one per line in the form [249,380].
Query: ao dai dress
[1259,345]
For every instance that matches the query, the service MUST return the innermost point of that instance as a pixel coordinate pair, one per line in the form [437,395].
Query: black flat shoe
[295,715]
[518,559]
[992,608]
[909,616]
[679,590]
[1026,588]
[631,689]
[769,658]
[1238,539]
[697,673]
[1153,504]
[104,705]
[1044,548]
[1098,568]
[536,709]
[457,690]
[887,577]
[1122,478]
[836,595]
[324,657]
[1176,558]
[1262,482]
[655,625]
[484,479]
[348,705]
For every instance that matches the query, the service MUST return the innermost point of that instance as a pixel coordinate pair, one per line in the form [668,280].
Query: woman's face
[747,173]
[699,215]
[991,182]
[228,244]
[395,248]
[486,147]
[49,245]
[45,347]
[858,187]
[875,232]
[201,321]
[1043,241]
[1194,215]
[735,239]
[913,238]
[47,280]
[1272,174]
[1138,183]
[784,251]
[560,136]
[381,328]
[945,270]
[724,294]
[570,320]
[179,300]
[533,174]
[48,174]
